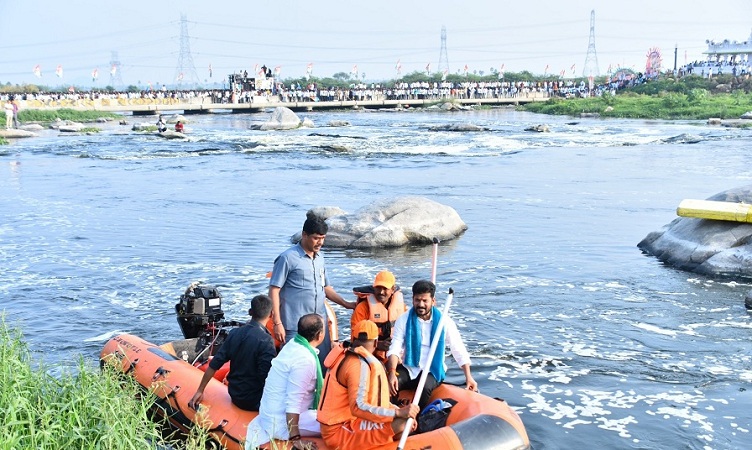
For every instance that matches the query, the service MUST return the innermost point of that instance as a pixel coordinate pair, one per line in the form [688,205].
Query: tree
[341,76]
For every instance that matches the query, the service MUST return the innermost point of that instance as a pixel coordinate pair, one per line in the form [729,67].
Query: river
[595,344]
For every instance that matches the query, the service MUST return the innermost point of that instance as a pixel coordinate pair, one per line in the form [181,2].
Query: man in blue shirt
[251,349]
[299,285]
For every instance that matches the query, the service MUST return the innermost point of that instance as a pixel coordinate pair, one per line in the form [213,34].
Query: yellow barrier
[713,210]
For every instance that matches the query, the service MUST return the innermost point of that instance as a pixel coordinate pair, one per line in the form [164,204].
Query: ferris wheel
[654,62]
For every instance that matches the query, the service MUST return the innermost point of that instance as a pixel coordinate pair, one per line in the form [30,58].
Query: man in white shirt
[411,341]
[292,390]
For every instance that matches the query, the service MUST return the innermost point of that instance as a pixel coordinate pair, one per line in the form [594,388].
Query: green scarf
[319,377]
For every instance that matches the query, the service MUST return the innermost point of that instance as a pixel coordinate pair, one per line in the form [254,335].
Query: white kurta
[452,339]
[289,388]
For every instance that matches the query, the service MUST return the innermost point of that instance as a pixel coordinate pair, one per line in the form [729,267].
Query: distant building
[726,57]
[730,52]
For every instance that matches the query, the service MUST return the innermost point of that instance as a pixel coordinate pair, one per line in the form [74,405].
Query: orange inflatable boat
[475,422]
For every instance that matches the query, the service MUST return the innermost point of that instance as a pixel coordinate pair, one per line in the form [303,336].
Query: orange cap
[384,279]
[365,330]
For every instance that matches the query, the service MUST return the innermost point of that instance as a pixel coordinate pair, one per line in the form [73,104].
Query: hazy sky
[336,35]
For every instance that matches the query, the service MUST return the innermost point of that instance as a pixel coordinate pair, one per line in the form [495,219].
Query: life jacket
[385,317]
[372,402]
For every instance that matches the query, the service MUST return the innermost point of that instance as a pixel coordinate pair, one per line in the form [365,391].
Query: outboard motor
[199,306]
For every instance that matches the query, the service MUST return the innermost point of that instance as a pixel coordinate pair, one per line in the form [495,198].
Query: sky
[370,38]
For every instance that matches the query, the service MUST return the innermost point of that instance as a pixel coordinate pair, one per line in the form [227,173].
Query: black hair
[261,307]
[423,287]
[315,225]
[310,325]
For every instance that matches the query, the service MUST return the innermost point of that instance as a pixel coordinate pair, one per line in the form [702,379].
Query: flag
[465,69]
[609,69]
[428,69]
[210,71]
[59,71]
[573,68]
[444,74]
[398,67]
[71,89]
[561,74]
[277,70]
[545,71]
[501,69]
[354,70]
[94,74]
[113,70]
[256,69]
[38,71]
[180,76]
[309,68]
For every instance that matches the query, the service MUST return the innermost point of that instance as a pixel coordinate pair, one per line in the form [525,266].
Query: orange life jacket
[381,315]
[372,400]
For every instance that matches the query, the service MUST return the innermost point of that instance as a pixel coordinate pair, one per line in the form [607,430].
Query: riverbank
[85,409]
[670,106]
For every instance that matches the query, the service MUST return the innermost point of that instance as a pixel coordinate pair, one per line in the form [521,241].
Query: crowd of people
[708,69]
[345,394]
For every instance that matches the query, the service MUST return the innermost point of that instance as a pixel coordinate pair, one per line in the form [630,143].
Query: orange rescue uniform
[355,412]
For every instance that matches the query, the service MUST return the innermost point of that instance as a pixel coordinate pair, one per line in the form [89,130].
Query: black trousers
[404,382]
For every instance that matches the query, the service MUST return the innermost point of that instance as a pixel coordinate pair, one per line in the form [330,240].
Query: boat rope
[220,428]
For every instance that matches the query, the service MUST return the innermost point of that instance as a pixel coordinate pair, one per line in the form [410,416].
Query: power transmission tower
[186,70]
[115,79]
[443,58]
[591,60]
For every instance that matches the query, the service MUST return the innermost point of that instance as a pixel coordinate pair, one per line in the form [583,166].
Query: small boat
[170,134]
[171,371]
[715,210]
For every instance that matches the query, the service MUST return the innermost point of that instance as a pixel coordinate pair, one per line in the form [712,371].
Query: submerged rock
[15,133]
[538,128]
[458,127]
[683,138]
[392,222]
[709,247]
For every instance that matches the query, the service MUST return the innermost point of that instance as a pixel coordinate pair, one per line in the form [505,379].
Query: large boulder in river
[709,247]
[281,119]
[393,222]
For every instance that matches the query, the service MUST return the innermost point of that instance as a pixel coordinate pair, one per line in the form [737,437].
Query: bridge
[204,105]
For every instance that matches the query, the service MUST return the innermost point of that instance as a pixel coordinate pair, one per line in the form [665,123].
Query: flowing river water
[595,344]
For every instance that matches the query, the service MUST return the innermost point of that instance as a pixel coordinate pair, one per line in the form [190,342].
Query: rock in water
[282,119]
[709,247]
[394,222]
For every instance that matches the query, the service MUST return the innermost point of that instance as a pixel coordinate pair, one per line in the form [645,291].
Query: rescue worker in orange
[355,412]
[382,306]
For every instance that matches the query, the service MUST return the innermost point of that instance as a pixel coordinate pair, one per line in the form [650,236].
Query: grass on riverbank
[87,409]
[3,141]
[698,104]
[51,115]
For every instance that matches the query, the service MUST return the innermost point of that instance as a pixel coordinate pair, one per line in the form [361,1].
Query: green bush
[51,115]
[86,409]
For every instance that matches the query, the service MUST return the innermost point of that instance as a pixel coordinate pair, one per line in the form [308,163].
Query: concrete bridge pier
[146,112]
